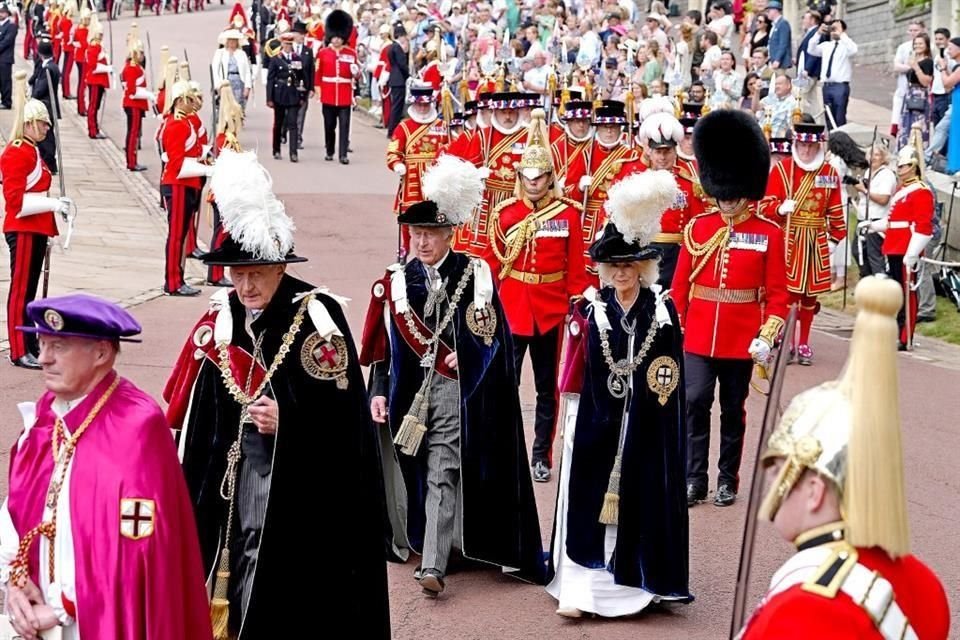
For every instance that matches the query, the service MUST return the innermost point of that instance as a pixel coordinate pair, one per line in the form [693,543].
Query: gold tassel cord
[412,429]
[610,513]
[219,603]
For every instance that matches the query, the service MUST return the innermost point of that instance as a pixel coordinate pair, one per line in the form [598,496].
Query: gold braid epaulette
[573,203]
[233,388]
[513,248]
[706,250]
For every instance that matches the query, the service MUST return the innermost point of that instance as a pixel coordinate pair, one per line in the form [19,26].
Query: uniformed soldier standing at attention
[286,90]
[336,69]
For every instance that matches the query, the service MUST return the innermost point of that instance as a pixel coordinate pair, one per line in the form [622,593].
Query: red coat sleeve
[576,268]
[578,169]
[680,287]
[375,342]
[775,281]
[176,393]
[397,146]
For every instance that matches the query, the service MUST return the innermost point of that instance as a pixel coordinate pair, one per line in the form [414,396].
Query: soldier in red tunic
[97,71]
[136,100]
[805,193]
[909,227]
[80,35]
[536,253]
[63,37]
[336,69]
[730,294]
[837,492]
[29,220]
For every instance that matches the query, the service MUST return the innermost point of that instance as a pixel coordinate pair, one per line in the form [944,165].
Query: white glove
[759,350]
[832,245]
[918,242]
[585,182]
[354,69]
[209,172]
[400,169]
[64,206]
[787,207]
[878,225]
[910,261]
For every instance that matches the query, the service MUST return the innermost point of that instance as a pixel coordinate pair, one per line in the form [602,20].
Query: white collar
[427,119]
[505,131]
[808,166]
[62,407]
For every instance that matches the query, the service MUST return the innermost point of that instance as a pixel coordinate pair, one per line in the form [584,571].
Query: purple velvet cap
[83,316]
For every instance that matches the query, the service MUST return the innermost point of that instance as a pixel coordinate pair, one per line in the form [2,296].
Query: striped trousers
[180,203]
[442,442]
[253,492]
[26,263]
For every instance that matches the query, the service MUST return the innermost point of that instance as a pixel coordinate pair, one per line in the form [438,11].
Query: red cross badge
[137,518]
[482,322]
[663,376]
[325,359]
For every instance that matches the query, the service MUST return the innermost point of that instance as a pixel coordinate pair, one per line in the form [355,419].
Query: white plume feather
[251,213]
[456,186]
[661,127]
[635,204]
[656,104]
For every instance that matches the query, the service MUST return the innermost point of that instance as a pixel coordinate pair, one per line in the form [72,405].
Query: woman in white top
[231,63]
[727,84]
[877,187]
[722,23]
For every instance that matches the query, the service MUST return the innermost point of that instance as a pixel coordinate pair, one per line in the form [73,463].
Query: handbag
[915,102]
[7,631]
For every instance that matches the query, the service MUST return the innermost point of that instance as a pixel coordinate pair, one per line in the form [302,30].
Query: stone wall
[877,28]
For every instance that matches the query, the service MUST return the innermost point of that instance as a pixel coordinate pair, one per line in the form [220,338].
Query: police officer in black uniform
[286,91]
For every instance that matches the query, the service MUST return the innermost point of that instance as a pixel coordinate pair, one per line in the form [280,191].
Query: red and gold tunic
[602,164]
[817,218]
[729,281]
[500,153]
[414,145]
[536,256]
[565,151]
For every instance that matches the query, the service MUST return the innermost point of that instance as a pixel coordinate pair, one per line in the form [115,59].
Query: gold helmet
[25,110]
[536,159]
[169,82]
[912,152]
[134,43]
[848,430]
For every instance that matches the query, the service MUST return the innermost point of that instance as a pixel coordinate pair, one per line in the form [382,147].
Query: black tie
[830,61]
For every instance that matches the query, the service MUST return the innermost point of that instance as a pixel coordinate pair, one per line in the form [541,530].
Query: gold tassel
[415,440]
[412,429]
[610,513]
[464,91]
[564,98]
[501,82]
[446,105]
[219,604]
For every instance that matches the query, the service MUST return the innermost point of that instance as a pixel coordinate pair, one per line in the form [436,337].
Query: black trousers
[48,150]
[836,95]
[302,118]
[336,122]
[871,259]
[27,251]
[6,85]
[702,375]
[285,121]
[545,357]
[398,104]
[669,251]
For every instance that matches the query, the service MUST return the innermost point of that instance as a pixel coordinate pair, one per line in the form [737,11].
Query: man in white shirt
[901,66]
[779,106]
[535,79]
[656,31]
[711,53]
[836,68]
[941,96]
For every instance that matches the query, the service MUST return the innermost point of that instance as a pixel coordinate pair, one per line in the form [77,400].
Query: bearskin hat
[339,24]
[732,154]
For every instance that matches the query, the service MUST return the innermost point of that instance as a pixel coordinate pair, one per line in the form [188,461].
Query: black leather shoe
[328,158]
[138,167]
[222,282]
[926,318]
[294,157]
[431,581]
[344,160]
[725,496]
[277,156]
[541,472]
[184,290]
[695,495]
[27,361]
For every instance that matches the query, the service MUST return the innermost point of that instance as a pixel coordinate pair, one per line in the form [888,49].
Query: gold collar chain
[454,303]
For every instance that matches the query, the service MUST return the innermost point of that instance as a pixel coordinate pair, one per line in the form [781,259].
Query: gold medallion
[663,376]
[53,319]
[325,360]
[482,322]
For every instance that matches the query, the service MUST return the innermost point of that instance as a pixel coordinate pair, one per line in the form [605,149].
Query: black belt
[834,82]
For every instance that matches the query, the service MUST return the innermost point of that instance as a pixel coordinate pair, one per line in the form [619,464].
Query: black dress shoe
[926,318]
[138,167]
[725,496]
[222,282]
[695,495]
[328,158]
[431,581]
[184,290]
[540,471]
[344,160]
[27,361]
[294,157]
[277,156]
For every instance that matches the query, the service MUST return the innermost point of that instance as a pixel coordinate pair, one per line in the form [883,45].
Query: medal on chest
[325,359]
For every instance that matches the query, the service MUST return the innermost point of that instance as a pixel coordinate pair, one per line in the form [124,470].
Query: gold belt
[537,278]
[668,238]
[713,294]
[808,221]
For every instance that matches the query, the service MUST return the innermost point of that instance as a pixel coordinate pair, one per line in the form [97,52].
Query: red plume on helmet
[238,10]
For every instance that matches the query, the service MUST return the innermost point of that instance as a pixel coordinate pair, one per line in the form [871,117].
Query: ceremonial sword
[68,217]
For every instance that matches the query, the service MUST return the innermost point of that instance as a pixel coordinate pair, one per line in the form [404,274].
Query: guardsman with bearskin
[594,170]
[415,144]
[835,490]
[805,194]
[29,221]
[498,147]
[730,292]
[444,392]
[337,67]
[535,249]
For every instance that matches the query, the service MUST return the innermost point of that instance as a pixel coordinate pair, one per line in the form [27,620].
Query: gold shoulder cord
[513,248]
[706,250]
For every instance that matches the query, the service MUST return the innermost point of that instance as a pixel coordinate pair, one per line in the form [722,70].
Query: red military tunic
[911,211]
[430,75]
[179,141]
[133,78]
[603,164]
[729,280]
[415,146]
[95,55]
[24,172]
[547,271]
[334,76]
[818,216]
[53,24]
[565,151]
[500,153]
[796,613]
[688,205]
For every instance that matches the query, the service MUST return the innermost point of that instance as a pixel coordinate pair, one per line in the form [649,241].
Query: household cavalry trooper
[414,146]
[805,194]
[136,97]
[572,136]
[730,294]
[180,182]
[593,171]
[536,252]
[29,221]
[837,493]
[97,71]
[498,147]
[660,134]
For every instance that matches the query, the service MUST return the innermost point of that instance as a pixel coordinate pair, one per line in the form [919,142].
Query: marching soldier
[337,68]
[285,92]
[730,294]
[592,173]
[497,147]
[136,99]
[29,220]
[64,50]
[180,183]
[97,71]
[443,387]
[536,251]
[80,35]
[806,195]
[838,496]
[571,139]
[415,144]
[660,134]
